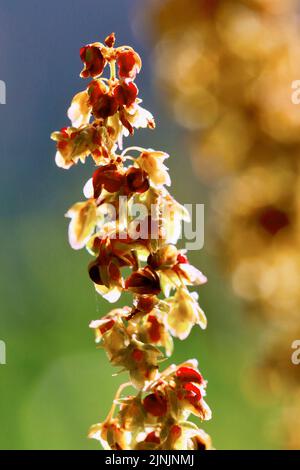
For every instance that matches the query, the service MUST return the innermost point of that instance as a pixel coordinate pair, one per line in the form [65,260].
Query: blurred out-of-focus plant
[227,68]
[132,255]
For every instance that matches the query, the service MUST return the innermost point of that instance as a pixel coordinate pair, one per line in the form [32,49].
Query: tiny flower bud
[93,60]
[107,177]
[126,93]
[110,40]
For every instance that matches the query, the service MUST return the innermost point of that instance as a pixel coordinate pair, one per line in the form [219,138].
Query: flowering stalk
[134,337]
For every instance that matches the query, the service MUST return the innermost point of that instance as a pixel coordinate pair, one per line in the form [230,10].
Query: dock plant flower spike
[137,257]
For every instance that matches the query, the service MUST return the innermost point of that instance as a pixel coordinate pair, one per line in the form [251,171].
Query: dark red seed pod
[107,326]
[155,405]
[95,89]
[146,303]
[193,392]
[144,281]
[106,106]
[154,329]
[110,40]
[94,272]
[93,60]
[187,374]
[129,64]
[136,181]
[126,93]
[137,355]
[181,259]
[175,431]
[152,437]
[107,177]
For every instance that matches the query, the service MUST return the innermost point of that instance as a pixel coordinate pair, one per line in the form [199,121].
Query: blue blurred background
[55,383]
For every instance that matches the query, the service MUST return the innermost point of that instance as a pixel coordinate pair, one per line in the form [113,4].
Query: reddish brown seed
[155,405]
[154,330]
[152,437]
[110,40]
[146,303]
[107,326]
[187,374]
[193,390]
[127,64]
[93,60]
[126,93]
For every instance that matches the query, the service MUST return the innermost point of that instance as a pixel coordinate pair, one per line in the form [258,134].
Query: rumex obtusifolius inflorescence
[139,257]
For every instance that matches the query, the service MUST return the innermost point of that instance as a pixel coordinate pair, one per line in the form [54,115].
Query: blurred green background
[55,383]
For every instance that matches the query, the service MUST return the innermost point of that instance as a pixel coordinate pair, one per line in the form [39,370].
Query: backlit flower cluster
[229,69]
[134,255]
[157,418]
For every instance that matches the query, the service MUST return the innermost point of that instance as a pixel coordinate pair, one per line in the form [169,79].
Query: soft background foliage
[55,383]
